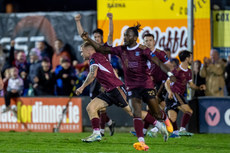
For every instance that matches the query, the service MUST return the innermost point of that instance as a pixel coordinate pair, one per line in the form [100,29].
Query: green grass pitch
[16,142]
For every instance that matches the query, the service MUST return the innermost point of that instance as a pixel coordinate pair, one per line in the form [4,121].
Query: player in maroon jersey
[137,79]
[95,87]
[115,92]
[175,100]
[159,77]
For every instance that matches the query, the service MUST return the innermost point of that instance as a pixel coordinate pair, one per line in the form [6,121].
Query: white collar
[185,70]
[154,50]
[133,48]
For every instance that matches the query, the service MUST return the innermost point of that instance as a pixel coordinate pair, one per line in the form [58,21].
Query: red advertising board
[41,115]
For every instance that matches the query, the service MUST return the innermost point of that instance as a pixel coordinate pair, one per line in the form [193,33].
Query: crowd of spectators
[44,72]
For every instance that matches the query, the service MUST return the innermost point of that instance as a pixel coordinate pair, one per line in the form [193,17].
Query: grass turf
[119,143]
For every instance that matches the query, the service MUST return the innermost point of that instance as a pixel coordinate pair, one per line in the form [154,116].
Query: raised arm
[110,36]
[80,30]
[98,47]
[90,77]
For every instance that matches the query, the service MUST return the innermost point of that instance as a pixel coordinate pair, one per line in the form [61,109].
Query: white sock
[155,130]
[141,139]
[96,131]
[144,130]
[110,122]
[182,129]
[158,125]
[176,132]
[102,131]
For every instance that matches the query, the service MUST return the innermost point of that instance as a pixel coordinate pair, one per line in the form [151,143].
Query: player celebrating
[95,87]
[159,77]
[175,100]
[137,80]
[101,69]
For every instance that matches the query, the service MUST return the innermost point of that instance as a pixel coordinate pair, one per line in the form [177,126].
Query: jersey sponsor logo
[92,61]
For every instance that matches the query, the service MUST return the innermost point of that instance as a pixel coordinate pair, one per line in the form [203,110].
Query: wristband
[169,74]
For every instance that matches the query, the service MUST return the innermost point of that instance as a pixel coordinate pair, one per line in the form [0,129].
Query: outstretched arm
[90,77]
[110,36]
[80,30]
[164,68]
[98,47]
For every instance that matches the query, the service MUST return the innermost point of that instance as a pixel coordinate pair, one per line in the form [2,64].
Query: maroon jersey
[134,65]
[105,73]
[182,78]
[155,70]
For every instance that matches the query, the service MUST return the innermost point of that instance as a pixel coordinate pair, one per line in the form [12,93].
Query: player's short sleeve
[94,60]
[116,50]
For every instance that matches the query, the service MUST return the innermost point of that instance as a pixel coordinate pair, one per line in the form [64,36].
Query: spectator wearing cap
[65,78]
[59,53]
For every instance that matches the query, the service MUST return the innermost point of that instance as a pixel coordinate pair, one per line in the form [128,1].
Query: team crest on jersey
[166,57]
[137,53]
[130,93]
[92,61]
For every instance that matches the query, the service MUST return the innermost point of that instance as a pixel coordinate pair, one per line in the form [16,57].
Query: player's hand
[170,95]
[84,36]
[110,16]
[202,87]
[79,91]
[78,17]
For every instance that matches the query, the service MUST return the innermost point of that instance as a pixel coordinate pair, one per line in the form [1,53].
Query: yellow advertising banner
[165,19]
[221,28]
[221,32]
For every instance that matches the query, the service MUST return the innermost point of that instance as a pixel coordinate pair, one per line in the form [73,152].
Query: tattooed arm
[90,77]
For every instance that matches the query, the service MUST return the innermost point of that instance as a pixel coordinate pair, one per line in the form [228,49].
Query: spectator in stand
[35,63]
[213,72]
[14,88]
[59,53]
[44,80]
[18,59]
[65,78]
[227,76]
[197,79]
[45,49]
[6,78]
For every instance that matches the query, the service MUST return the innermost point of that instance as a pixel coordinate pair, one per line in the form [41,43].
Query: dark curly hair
[135,29]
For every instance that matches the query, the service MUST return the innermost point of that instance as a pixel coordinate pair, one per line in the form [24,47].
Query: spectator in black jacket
[44,80]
